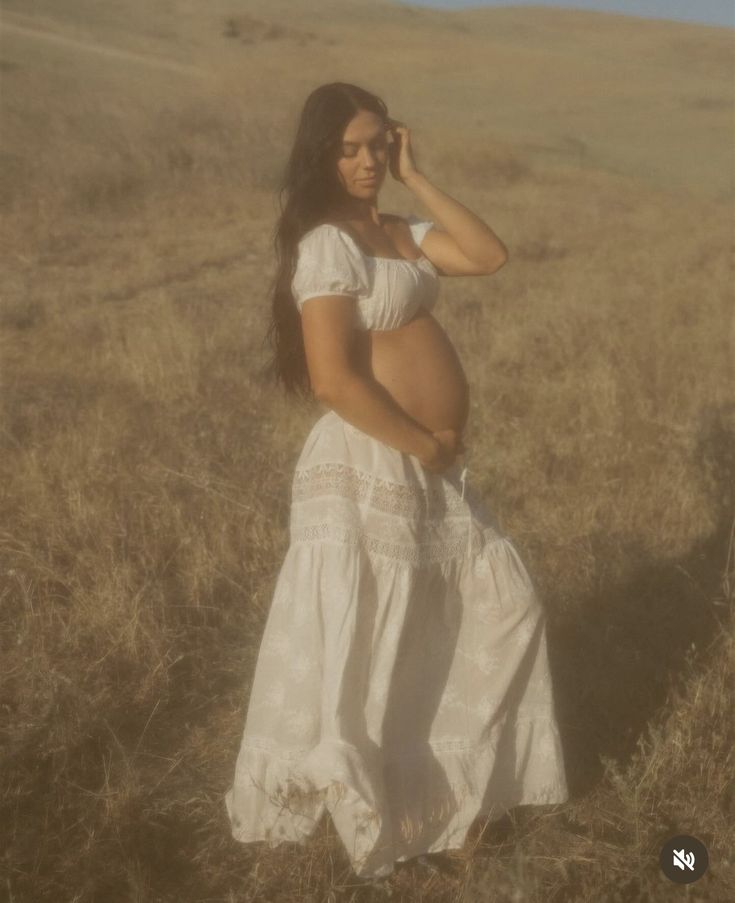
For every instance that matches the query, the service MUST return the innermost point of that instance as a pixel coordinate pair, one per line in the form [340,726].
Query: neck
[357,210]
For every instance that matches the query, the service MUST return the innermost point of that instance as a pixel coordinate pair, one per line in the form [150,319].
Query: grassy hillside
[146,464]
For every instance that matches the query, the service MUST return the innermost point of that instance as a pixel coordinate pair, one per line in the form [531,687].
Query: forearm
[367,405]
[475,238]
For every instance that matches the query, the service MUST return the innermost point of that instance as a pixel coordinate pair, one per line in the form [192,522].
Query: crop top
[388,291]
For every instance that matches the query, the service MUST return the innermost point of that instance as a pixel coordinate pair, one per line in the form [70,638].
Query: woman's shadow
[614,659]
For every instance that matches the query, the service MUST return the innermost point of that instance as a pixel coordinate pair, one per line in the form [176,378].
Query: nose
[370,162]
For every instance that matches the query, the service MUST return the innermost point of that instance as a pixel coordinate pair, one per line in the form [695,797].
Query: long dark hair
[312,188]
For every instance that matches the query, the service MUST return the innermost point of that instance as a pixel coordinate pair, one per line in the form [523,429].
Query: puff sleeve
[419,227]
[326,265]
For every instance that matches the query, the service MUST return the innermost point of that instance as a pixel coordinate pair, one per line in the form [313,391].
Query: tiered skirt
[402,683]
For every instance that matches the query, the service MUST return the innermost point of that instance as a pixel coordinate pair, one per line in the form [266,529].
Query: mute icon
[683,859]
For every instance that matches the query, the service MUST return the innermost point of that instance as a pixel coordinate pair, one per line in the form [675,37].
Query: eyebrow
[380,134]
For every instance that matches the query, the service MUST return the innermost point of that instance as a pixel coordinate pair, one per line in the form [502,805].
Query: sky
[708,12]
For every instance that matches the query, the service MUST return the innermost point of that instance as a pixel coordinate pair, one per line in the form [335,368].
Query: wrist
[414,179]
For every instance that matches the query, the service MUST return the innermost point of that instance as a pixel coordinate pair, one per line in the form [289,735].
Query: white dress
[402,683]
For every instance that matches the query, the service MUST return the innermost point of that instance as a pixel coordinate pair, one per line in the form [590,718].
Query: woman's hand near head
[401,161]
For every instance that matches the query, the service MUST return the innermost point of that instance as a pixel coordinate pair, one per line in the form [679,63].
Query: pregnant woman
[402,684]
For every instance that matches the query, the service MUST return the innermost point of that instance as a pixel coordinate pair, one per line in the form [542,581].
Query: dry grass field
[146,462]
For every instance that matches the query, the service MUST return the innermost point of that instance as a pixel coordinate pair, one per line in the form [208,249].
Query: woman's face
[363,155]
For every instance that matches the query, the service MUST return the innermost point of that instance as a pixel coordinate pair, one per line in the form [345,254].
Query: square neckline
[414,260]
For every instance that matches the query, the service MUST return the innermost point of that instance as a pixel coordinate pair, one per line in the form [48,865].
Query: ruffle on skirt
[402,682]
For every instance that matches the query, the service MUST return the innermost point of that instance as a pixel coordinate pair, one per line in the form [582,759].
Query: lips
[368,181]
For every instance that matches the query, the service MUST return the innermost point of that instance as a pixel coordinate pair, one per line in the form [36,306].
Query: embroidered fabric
[397,522]
[402,683]
[431,500]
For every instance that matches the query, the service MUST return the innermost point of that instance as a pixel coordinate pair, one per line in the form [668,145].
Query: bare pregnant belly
[419,367]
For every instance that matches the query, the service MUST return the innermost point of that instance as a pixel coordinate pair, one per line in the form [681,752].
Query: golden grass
[146,465]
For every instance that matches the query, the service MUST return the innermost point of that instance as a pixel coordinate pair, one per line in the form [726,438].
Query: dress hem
[335,777]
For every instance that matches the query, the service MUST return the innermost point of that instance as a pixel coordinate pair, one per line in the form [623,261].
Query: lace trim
[383,495]
[417,524]
[418,555]
[293,754]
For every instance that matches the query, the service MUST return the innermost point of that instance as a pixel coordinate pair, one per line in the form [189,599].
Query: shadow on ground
[614,663]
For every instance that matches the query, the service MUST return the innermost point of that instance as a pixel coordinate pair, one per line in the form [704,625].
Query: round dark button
[683,859]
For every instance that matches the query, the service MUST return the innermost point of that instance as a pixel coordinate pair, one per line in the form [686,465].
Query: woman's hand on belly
[449,445]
